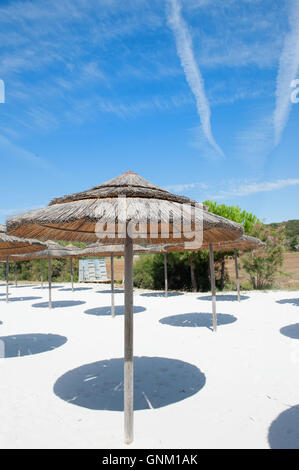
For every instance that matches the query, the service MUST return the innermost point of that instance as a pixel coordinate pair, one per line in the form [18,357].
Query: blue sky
[194,95]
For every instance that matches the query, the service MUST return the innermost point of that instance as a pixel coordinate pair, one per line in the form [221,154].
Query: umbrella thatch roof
[75,217]
[72,247]
[97,249]
[53,250]
[13,245]
[245,242]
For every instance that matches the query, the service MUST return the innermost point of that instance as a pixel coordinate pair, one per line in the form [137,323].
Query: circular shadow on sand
[20,299]
[224,297]
[22,285]
[26,345]
[108,291]
[106,311]
[46,286]
[292,331]
[158,382]
[59,304]
[161,294]
[284,430]
[198,320]
[289,301]
[76,289]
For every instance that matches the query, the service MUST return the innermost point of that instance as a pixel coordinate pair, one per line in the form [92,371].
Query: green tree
[149,271]
[262,265]
[190,270]
[236,214]
[294,241]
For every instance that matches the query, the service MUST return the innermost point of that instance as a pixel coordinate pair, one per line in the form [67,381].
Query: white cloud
[199,142]
[288,69]
[192,72]
[247,189]
[237,28]
[237,52]
[61,57]
[255,142]
[233,189]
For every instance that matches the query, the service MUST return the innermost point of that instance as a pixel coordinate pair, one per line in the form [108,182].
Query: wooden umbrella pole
[72,273]
[165,275]
[128,341]
[237,274]
[112,285]
[213,286]
[7,280]
[50,280]
[16,274]
[41,274]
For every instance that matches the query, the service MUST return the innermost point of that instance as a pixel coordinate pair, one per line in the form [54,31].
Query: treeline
[31,270]
[186,271]
[291,232]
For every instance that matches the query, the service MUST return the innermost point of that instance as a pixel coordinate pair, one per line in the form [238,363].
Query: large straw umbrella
[180,248]
[100,250]
[243,243]
[10,245]
[119,211]
[53,250]
[75,254]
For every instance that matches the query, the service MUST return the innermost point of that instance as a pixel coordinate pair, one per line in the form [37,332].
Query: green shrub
[143,272]
[149,271]
[263,264]
[246,285]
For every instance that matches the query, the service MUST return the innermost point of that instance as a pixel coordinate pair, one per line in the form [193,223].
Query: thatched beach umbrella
[53,250]
[155,249]
[100,250]
[180,248]
[125,209]
[11,245]
[75,254]
[244,243]
[16,274]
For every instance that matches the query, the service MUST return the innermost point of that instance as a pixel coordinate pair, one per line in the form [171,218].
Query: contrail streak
[193,75]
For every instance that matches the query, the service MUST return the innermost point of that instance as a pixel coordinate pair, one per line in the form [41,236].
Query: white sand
[194,388]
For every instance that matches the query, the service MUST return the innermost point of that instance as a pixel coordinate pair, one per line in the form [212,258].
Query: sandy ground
[61,374]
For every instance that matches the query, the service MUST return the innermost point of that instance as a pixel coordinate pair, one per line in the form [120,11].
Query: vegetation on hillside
[291,232]
[262,265]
